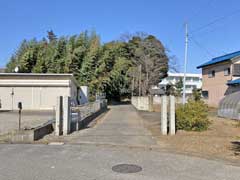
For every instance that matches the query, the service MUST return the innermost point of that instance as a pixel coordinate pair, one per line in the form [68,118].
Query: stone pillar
[164,115]
[172,123]
[58,116]
[150,105]
[66,115]
[78,126]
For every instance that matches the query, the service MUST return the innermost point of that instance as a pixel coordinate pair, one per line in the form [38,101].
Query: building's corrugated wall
[32,98]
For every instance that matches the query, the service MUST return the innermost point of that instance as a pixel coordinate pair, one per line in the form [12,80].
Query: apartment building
[192,81]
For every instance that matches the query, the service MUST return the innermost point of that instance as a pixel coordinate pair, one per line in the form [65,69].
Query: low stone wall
[28,136]
[149,103]
[41,131]
[142,103]
[87,113]
[70,118]
[157,100]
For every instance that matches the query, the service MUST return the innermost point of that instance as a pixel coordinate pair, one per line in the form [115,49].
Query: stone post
[150,101]
[164,115]
[78,126]
[172,123]
[66,115]
[58,116]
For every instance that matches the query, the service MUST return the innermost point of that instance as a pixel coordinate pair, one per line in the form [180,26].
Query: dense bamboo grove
[117,67]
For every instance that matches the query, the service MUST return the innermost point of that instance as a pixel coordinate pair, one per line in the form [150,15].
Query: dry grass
[221,140]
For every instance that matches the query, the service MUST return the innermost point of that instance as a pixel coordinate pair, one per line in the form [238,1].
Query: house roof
[234,82]
[35,74]
[219,59]
[38,76]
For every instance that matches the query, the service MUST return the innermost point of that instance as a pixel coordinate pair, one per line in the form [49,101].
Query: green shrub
[192,116]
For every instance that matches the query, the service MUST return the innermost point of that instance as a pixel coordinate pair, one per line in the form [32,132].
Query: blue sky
[164,19]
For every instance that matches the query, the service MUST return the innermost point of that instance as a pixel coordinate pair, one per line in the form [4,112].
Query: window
[205,94]
[195,79]
[211,74]
[227,72]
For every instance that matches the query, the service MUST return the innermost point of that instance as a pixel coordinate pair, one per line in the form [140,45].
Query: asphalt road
[91,162]
[90,155]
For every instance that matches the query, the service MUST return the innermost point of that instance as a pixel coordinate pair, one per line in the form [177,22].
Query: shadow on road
[118,103]
[88,122]
[236,147]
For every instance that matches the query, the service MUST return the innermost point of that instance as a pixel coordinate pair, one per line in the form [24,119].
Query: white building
[38,91]
[192,81]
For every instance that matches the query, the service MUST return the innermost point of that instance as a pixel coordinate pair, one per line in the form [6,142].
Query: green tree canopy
[112,67]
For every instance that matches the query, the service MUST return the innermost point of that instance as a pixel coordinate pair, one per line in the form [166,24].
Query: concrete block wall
[74,117]
[142,103]
[157,100]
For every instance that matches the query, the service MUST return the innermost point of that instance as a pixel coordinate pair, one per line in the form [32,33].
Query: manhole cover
[126,168]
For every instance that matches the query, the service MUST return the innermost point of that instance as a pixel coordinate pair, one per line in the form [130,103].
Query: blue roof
[234,82]
[219,59]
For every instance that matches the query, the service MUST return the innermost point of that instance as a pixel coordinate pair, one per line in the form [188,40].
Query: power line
[207,25]
[204,33]
[202,47]
[197,13]
[215,21]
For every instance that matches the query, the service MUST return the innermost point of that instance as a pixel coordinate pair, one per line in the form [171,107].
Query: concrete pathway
[121,125]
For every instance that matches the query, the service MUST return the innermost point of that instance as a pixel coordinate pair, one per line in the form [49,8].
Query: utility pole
[140,79]
[185,64]
[133,85]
